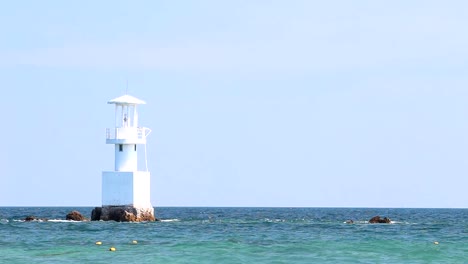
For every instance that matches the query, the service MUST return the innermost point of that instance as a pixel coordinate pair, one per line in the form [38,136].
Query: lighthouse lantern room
[126,189]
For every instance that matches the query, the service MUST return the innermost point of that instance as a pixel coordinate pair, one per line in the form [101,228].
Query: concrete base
[122,214]
[126,188]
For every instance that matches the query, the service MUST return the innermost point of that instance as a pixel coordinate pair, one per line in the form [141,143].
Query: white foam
[402,223]
[170,220]
[45,220]
[360,222]
[35,220]
[268,220]
[62,221]
[391,222]
[367,222]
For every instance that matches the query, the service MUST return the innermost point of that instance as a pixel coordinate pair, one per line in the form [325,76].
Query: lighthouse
[126,189]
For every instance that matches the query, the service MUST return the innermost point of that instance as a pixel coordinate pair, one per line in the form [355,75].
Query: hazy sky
[251,103]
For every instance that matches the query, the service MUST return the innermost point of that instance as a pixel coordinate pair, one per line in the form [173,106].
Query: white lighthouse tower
[126,189]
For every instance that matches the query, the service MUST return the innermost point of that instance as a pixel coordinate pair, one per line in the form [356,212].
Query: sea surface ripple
[238,235]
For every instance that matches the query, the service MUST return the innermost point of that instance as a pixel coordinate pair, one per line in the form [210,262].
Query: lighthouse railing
[126,133]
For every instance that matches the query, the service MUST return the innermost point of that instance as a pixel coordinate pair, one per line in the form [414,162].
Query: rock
[76,216]
[117,215]
[129,217]
[378,220]
[349,221]
[147,216]
[30,218]
[123,214]
[96,214]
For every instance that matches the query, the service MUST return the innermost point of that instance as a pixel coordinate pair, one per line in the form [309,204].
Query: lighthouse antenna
[126,89]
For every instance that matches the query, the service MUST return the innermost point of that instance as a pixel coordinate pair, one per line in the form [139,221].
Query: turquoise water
[238,235]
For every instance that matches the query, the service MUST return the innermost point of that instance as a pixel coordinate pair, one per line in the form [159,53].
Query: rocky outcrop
[378,220]
[123,214]
[30,218]
[96,214]
[75,216]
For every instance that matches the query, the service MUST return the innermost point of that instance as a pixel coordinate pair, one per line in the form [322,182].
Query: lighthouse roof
[126,100]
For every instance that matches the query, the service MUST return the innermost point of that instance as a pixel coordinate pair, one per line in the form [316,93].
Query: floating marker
[112,249]
[134,242]
[436,243]
[99,243]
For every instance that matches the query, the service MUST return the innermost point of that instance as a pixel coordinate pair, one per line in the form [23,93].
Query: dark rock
[126,214]
[30,218]
[96,214]
[378,220]
[33,218]
[76,216]
[115,215]
[120,215]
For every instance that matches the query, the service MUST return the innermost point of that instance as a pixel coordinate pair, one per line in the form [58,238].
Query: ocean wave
[268,220]
[356,222]
[35,220]
[402,223]
[44,220]
[170,220]
[391,222]
[62,221]
[4,221]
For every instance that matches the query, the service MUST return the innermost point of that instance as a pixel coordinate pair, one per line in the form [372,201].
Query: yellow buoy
[99,243]
[112,249]
[436,243]
[134,242]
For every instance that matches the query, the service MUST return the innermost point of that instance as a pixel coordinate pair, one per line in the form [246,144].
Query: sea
[238,235]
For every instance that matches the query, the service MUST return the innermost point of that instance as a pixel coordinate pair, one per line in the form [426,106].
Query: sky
[296,103]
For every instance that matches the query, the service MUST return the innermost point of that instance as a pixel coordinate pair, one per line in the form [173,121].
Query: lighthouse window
[120,148]
[135,147]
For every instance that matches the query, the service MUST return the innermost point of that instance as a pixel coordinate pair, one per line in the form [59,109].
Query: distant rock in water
[30,218]
[378,220]
[349,221]
[76,216]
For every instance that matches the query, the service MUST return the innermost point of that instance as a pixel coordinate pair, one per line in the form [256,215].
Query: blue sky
[251,103]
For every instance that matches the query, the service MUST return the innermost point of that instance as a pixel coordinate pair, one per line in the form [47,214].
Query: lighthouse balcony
[127,135]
